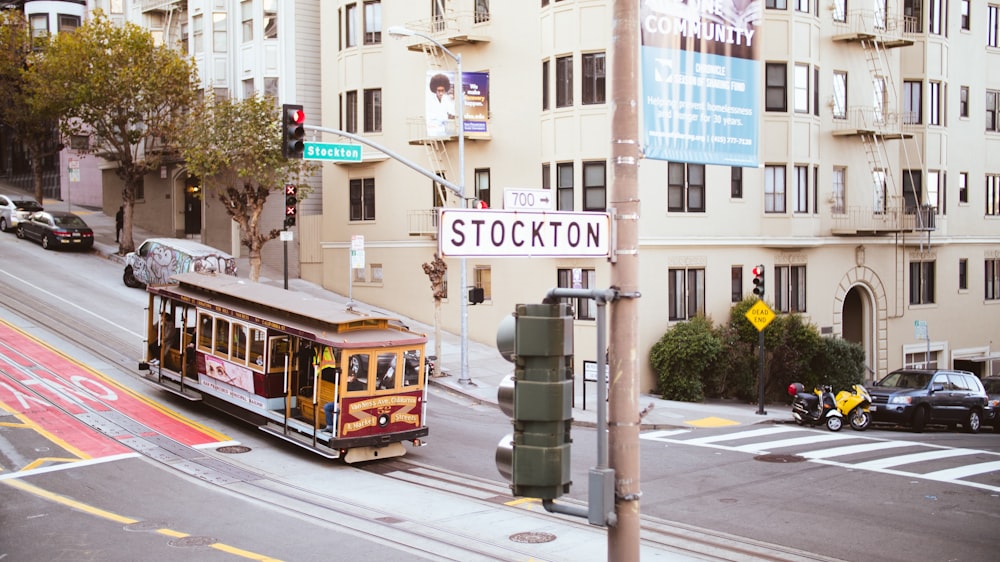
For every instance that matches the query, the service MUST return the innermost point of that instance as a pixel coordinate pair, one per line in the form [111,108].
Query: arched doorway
[859,318]
[857,322]
[192,206]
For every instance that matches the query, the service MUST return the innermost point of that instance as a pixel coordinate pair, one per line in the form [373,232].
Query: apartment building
[875,209]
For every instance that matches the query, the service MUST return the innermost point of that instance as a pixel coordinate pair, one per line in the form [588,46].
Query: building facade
[874,210]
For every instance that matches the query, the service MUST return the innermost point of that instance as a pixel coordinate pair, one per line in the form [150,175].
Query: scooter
[855,405]
[816,407]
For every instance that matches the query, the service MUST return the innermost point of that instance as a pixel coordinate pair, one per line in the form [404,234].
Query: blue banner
[701,81]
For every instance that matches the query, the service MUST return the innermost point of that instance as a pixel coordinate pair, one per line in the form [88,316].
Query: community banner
[701,80]
[442,103]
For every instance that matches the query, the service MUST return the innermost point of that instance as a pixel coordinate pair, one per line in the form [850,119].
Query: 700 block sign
[483,233]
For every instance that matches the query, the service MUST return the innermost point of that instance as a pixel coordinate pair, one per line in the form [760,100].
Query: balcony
[162,5]
[871,26]
[864,221]
[868,121]
[423,222]
[416,128]
[454,29]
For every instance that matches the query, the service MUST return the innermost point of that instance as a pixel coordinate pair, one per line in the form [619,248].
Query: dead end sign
[486,233]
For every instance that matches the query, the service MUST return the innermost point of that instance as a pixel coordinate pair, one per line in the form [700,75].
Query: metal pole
[623,394]
[464,378]
[760,373]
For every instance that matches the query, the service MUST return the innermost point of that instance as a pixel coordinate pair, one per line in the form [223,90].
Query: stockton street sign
[489,233]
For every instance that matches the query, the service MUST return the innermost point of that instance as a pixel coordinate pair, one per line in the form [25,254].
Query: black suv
[916,397]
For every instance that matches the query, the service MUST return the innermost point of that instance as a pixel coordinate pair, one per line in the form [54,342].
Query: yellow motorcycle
[821,407]
[855,404]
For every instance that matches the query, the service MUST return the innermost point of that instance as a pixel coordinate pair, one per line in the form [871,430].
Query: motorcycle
[821,407]
[855,404]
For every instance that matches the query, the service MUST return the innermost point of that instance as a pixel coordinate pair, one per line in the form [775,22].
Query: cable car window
[256,347]
[386,373]
[411,371]
[279,352]
[357,372]
[205,332]
[239,348]
[222,337]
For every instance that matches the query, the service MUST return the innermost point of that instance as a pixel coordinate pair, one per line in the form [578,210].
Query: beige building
[875,210]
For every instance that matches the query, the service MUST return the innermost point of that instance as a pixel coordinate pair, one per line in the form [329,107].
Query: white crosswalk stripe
[900,458]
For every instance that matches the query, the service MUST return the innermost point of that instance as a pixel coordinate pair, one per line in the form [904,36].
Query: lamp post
[400,31]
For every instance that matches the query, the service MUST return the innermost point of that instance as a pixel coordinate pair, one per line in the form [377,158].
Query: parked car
[992,385]
[157,259]
[57,229]
[917,397]
[14,209]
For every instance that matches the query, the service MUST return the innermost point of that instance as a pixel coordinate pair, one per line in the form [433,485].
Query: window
[482,278]
[248,88]
[482,179]
[39,26]
[777,85]
[921,282]
[776,4]
[198,34]
[438,194]
[685,187]
[802,189]
[992,279]
[774,189]
[816,91]
[687,293]
[595,186]
[934,103]
[482,11]
[936,18]
[375,272]
[963,274]
[546,176]
[362,201]
[802,6]
[839,181]
[350,25]
[373,110]
[564,186]
[913,17]
[963,101]
[840,10]
[736,182]
[270,19]
[801,95]
[593,78]
[912,190]
[68,23]
[790,288]
[992,110]
[359,275]
[736,287]
[437,15]
[992,195]
[545,85]
[935,190]
[578,278]
[373,22]
[564,81]
[992,25]
[965,14]
[878,191]
[271,87]
[246,15]
[219,32]
[912,114]
[839,94]
[351,111]
[963,187]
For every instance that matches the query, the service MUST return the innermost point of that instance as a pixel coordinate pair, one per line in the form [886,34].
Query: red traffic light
[297,116]
[758,270]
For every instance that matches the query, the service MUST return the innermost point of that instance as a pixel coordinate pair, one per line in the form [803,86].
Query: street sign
[332,151]
[920,330]
[760,315]
[528,199]
[487,233]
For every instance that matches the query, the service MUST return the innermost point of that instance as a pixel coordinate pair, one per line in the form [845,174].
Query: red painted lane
[28,366]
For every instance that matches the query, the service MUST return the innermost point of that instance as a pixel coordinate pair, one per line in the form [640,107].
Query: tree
[114,85]
[34,127]
[436,271]
[234,147]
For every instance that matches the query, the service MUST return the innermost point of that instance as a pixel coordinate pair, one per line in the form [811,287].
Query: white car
[157,259]
[14,209]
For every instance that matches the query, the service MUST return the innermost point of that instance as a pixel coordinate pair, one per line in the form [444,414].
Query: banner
[701,80]
[440,112]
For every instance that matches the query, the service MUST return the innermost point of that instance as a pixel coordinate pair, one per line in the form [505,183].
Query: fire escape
[453,30]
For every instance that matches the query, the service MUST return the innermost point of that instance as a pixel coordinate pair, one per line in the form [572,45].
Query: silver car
[14,209]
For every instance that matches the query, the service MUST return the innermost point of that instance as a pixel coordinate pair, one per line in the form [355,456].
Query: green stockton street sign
[332,151]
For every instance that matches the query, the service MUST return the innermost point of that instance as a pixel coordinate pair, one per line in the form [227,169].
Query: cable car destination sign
[475,233]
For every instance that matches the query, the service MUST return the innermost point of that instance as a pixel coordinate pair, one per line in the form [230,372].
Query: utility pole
[623,396]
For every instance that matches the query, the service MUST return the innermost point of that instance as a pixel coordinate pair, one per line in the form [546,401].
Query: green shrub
[682,358]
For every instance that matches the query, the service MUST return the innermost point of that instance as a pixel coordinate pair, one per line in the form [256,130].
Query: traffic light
[476,295]
[538,339]
[293,131]
[480,204]
[758,281]
[291,204]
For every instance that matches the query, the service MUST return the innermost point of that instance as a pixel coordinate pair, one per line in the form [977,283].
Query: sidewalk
[486,367]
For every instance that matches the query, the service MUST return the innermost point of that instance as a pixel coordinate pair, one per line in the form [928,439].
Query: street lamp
[400,31]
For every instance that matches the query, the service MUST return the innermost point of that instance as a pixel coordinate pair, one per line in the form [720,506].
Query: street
[834,495]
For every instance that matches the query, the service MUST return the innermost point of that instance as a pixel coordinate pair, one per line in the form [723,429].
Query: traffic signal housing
[758,281]
[476,295]
[293,131]
[535,458]
[291,204]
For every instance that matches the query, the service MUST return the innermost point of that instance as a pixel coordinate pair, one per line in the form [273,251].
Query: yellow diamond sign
[760,315]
